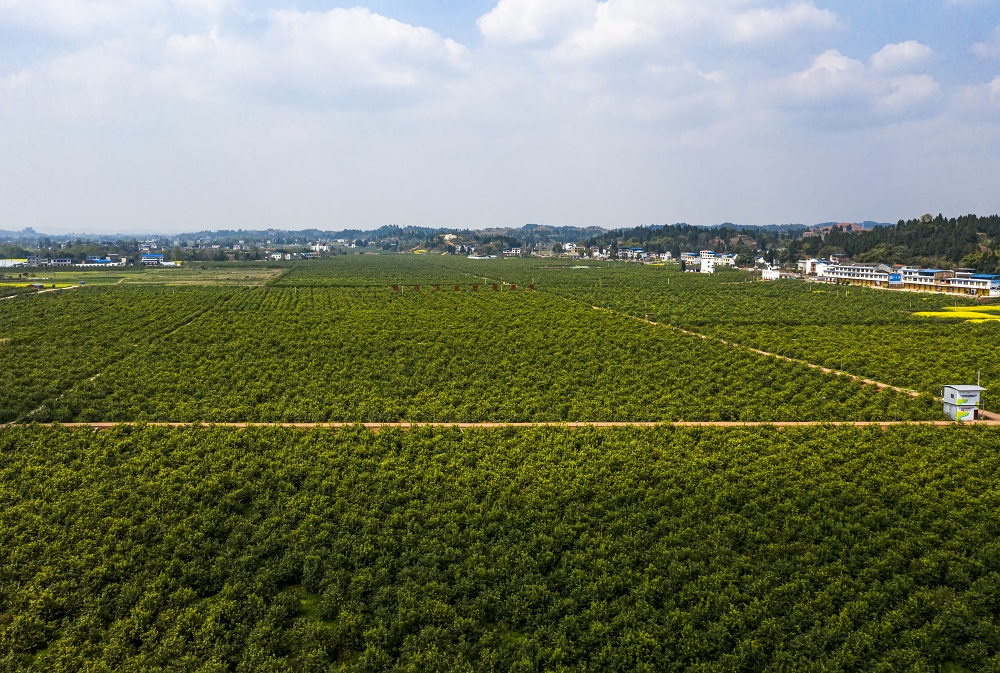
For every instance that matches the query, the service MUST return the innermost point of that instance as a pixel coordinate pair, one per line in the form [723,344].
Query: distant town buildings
[707,261]
[899,277]
[634,254]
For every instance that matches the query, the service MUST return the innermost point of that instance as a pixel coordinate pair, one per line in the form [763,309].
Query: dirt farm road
[825,370]
[540,424]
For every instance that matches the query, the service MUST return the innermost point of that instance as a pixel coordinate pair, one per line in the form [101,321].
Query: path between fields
[32,294]
[825,370]
[538,424]
[987,415]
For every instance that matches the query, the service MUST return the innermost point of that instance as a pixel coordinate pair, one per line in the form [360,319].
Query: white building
[771,274]
[512,252]
[913,278]
[814,267]
[859,274]
[961,403]
[708,261]
[979,284]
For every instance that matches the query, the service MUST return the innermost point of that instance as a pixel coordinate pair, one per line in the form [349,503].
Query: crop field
[383,271]
[195,273]
[972,314]
[326,352]
[147,549]
[880,334]
[200,548]
[201,273]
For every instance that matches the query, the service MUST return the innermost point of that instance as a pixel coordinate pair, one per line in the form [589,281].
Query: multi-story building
[913,278]
[632,254]
[871,275]
[708,260]
[729,260]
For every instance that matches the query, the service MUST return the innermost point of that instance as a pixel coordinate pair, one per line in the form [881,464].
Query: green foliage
[209,549]
[867,332]
[152,549]
[948,241]
[321,353]
[54,342]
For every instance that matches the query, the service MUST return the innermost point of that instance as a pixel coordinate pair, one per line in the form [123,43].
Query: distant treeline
[968,241]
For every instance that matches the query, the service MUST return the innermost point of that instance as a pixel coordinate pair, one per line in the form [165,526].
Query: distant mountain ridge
[406,231]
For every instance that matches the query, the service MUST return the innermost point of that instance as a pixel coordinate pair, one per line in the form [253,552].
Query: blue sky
[175,115]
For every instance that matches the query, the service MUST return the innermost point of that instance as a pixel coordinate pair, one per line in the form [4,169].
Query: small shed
[961,403]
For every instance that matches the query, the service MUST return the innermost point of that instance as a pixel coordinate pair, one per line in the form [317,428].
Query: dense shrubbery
[147,549]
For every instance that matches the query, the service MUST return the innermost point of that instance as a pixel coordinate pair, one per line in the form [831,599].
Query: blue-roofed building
[632,253]
[979,284]
[152,259]
[914,278]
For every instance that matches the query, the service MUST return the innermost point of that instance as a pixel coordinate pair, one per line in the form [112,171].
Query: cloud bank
[175,113]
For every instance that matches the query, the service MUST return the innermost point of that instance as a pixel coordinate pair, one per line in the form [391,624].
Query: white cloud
[521,21]
[768,23]
[587,28]
[837,84]
[831,76]
[336,57]
[83,17]
[17,81]
[898,95]
[354,45]
[989,49]
[578,111]
[73,17]
[901,56]
[979,101]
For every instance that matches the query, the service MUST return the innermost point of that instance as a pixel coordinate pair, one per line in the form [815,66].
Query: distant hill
[867,224]
[969,241]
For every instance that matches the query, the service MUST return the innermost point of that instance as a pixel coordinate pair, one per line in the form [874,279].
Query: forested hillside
[968,241]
